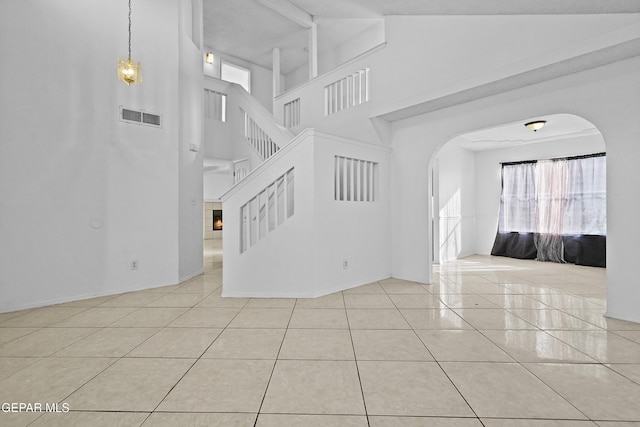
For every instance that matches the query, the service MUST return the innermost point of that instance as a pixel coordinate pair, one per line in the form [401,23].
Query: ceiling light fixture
[535,125]
[129,71]
[209,58]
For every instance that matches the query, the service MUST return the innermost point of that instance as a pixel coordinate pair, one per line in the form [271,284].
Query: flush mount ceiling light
[129,71]
[209,58]
[535,125]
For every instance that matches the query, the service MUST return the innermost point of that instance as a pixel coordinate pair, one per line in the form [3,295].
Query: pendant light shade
[129,71]
[536,125]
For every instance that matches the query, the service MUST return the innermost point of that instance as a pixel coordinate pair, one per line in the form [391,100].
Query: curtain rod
[582,156]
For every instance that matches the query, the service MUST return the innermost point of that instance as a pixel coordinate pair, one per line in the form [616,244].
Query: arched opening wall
[467,177]
[607,96]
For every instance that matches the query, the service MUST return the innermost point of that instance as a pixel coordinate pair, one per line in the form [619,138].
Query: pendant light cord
[129,30]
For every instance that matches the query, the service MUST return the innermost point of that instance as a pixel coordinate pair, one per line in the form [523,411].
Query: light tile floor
[494,342]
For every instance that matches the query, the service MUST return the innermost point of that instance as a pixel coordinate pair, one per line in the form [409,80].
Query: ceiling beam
[289,11]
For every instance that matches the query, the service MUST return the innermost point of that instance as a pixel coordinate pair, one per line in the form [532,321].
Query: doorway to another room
[467,183]
[470,207]
[212,234]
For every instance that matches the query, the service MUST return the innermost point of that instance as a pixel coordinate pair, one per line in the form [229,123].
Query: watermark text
[12,407]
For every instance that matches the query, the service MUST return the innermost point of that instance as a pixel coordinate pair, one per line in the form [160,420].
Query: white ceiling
[558,126]
[249,30]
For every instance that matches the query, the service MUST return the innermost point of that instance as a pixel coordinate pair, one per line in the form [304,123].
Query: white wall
[428,58]
[261,78]
[331,55]
[216,184]
[106,192]
[452,53]
[606,96]
[303,257]
[190,145]
[456,202]
[208,231]
[488,182]
[358,232]
[218,136]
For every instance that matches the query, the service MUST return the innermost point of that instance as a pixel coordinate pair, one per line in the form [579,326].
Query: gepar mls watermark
[14,407]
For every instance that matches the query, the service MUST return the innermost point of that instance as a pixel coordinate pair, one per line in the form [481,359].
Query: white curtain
[551,184]
[518,201]
[554,198]
[585,211]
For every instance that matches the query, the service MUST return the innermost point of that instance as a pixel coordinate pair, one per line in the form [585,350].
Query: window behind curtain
[518,201]
[562,196]
[585,211]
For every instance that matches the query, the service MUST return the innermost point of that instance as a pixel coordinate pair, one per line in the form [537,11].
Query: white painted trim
[313,50]
[564,67]
[345,140]
[289,11]
[219,84]
[311,295]
[309,132]
[333,70]
[56,301]
[190,276]
[614,316]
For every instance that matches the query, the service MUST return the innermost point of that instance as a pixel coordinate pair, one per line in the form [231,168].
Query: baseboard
[232,294]
[614,316]
[63,300]
[190,276]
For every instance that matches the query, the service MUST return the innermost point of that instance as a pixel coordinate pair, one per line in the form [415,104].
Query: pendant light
[129,71]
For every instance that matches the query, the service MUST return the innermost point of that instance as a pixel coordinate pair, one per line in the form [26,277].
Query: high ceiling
[249,30]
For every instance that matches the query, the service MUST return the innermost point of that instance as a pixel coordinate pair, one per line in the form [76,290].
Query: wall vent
[140,117]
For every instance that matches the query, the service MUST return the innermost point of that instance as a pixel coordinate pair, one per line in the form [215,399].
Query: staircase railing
[257,137]
[258,125]
[267,210]
[295,226]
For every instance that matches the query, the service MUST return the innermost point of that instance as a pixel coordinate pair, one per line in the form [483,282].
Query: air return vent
[151,119]
[140,117]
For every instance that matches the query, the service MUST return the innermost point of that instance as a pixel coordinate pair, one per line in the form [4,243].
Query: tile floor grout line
[538,378]
[275,363]
[555,391]
[194,362]
[563,307]
[117,359]
[439,365]
[355,361]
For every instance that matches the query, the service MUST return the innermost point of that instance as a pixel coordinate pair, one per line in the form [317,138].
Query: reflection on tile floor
[493,342]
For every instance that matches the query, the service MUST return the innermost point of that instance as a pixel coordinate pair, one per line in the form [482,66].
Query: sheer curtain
[518,200]
[551,182]
[585,211]
[549,203]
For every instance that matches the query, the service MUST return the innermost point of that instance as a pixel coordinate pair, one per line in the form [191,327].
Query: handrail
[335,70]
[297,140]
[267,163]
[280,135]
[264,145]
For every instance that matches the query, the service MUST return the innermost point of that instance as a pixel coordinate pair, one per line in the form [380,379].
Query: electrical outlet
[134,264]
[345,263]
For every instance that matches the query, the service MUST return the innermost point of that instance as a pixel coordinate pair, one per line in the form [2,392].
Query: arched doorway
[468,201]
[602,95]
[466,177]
